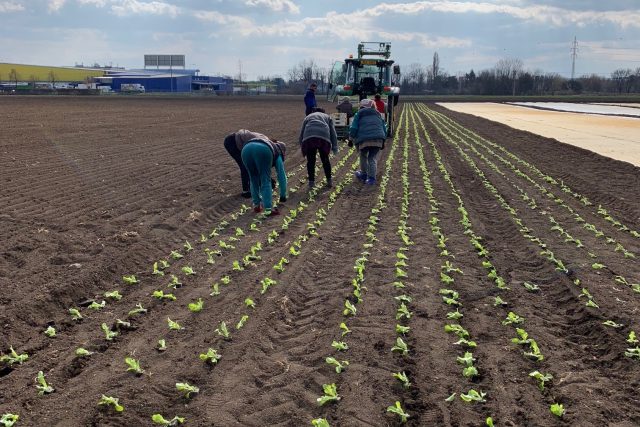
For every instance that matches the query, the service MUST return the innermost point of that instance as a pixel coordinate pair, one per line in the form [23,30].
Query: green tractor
[371,73]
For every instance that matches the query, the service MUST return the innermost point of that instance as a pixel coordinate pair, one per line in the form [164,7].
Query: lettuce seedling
[175,283]
[188,270]
[398,285]
[42,386]
[130,279]
[349,308]
[531,287]
[456,329]
[330,394]
[403,311]
[266,284]
[591,303]
[340,345]
[403,298]
[109,335]
[497,301]
[446,279]
[557,409]
[9,420]
[632,338]
[162,345]
[597,266]
[473,396]
[467,359]
[400,347]
[249,303]
[400,273]
[82,352]
[139,309]
[75,314]
[187,246]
[97,306]
[163,264]
[133,366]
[187,389]
[161,295]
[320,422]
[403,378]
[113,295]
[451,397]
[633,353]
[512,318]
[612,324]
[237,266]
[470,372]
[108,400]
[215,289]
[173,422]
[196,306]
[402,329]
[239,232]
[468,343]
[121,324]
[454,315]
[242,321]
[174,326]
[339,366]
[225,280]
[211,356]
[401,263]
[542,378]
[176,255]
[223,331]
[397,409]
[345,329]
[489,422]
[50,332]
[157,271]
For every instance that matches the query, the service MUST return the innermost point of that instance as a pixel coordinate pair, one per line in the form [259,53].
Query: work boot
[370,181]
[312,184]
[246,194]
[257,209]
[329,183]
[361,176]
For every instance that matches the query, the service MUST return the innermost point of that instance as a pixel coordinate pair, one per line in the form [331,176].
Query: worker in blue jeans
[369,131]
[259,156]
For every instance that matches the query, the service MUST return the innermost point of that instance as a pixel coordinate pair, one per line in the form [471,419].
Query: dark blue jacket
[368,124]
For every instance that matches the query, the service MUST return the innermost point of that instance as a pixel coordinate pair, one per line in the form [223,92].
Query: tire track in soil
[566,330]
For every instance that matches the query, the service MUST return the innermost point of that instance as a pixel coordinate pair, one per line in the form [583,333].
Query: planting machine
[371,73]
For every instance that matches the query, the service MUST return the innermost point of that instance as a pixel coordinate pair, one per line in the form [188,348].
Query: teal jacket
[368,124]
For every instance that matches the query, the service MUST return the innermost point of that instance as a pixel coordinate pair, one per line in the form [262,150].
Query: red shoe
[272,212]
[257,209]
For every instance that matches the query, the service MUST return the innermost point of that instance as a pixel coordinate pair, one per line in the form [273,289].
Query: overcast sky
[269,36]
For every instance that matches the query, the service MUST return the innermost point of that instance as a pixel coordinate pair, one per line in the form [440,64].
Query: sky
[268,37]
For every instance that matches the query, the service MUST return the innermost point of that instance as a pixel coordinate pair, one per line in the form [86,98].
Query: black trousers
[311,163]
[232,149]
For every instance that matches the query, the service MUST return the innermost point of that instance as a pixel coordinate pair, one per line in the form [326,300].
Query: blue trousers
[258,159]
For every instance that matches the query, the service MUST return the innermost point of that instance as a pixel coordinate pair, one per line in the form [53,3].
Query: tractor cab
[371,73]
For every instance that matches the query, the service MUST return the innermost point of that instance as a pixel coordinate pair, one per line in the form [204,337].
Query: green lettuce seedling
[176,255]
[97,306]
[113,295]
[454,315]
[497,301]
[557,409]
[266,284]
[330,394]
[162,345]
[349,308]
[403,312]
[215,289]
[531,287]
[82,352]
[133,366]
[512,318]
[196,306]
[174,283]
[130,279]
[173,422]
[403,330]
[156,270]
[161,295]
[320,422]
[50,332]
[242,321]
[174,326]
[187,246]
[139,309]
[188,270]
[612,324]
[42,386]
[340,345]
[75,314]
[113,401]
[109,335]
[403,378]
[397,409]
[249,303]
[542,378]
[211,356]
[473,396]
[632,338]
[187,389]
[9,420]
[400,347]
[340,366]
[345,329]
[225,280]
[223,331]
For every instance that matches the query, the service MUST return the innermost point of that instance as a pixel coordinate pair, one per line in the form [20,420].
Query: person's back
[345,107]
[368,125]
[310,99]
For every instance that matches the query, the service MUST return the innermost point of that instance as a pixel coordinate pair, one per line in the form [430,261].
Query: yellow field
[28,73]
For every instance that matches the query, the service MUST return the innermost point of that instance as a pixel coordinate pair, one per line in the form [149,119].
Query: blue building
[161,81]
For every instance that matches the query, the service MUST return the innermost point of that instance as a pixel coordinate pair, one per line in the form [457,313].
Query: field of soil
[483,255]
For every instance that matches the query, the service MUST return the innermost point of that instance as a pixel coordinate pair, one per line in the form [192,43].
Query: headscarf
[366,103]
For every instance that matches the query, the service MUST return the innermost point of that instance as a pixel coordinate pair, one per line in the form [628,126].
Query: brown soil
[93,189]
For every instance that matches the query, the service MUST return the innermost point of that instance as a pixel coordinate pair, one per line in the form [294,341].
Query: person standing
[369,131]
[233,143]
[259,155]
[318,135]
[346,107]
[381,107]
[310,99]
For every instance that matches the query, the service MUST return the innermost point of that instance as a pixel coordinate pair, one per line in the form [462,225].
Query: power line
[574,54]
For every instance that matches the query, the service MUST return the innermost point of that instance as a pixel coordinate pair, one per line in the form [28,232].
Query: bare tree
[435,66]
[509,69]
[622,79]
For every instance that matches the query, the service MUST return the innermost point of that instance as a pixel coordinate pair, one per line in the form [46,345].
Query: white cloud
[426,40]
[9,6]
[222,19]
[56,5]
[98,3]
[276,5]
[136,7]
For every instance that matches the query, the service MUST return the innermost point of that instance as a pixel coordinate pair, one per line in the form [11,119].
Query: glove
[283,199]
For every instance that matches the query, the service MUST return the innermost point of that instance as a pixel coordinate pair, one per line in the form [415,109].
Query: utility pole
[574,54]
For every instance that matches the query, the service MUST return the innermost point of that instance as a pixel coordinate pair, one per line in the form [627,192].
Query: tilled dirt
[94,189]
